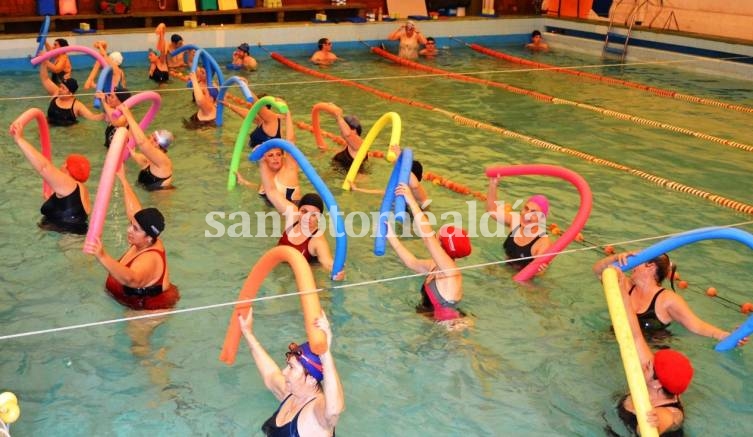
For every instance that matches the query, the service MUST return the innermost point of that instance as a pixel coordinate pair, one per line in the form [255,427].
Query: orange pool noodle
[304,279]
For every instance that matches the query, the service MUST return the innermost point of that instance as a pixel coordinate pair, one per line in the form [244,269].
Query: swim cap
[122,94]
[78,167]
[455,241]
[151,221]
[62,42]
[310,361]
[542,201]
[244,48]
[311,199]
[673,370]
[116,58]
[353,123]
[164,138]
[71,84]
[175,38]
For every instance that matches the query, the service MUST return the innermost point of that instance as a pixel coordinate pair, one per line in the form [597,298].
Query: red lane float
[44,138]
[113,161]
[578,222]
[321,106]
[304,280]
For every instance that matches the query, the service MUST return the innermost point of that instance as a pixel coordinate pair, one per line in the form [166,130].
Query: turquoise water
[539,360]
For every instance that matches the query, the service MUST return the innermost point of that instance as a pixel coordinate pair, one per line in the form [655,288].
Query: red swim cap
[455,241]
[78,167]
[673,370]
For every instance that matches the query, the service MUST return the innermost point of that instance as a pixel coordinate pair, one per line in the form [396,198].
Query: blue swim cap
[308,359]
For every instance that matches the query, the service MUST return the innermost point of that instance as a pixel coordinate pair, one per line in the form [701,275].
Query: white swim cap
[116,57]
[164,138]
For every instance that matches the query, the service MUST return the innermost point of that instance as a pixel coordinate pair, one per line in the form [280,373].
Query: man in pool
[537,43]
[324,56]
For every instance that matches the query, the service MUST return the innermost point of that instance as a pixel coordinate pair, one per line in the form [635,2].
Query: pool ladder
[617,43]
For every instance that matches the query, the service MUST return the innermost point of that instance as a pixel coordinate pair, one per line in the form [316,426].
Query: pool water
[539,358]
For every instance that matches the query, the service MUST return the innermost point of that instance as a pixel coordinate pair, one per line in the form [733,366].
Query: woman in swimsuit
[110,102]
[61,69]
[140,279]
[668,374]
[67,209]
[442,289]
[206,111]
[350,131]
[410,40]
[156,167]
[308,388]
[655,306]
[158,69]
[527,238]
[302,226]
[64,108]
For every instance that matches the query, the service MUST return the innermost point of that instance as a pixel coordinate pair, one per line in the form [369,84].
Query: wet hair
[431,38]
[62,42]
[535,33]
[664,269]
[175,38]
[417,169]
[122,94]
[261,96]
[321,43]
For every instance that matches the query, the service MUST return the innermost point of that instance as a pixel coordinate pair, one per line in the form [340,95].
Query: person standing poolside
[528,237]
[442,288]
[655,306]
[64,109]
[537,43]
[324,56]
[68,207]
[140,279]
[430,49]
[242,58]
[309,389]
[410,40]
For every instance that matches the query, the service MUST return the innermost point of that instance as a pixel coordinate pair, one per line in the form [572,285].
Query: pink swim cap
[542,201]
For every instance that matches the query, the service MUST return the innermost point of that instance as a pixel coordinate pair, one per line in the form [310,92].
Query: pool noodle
[106,181]
[43,32]
[60,50]
[104,76]
[341,242]
[317,129]
[394,117]
[44,139]
[578,223]
[223,90]
[242,139]
[400,175]
[144,96]
[304,279]
[628,351]
[740,333]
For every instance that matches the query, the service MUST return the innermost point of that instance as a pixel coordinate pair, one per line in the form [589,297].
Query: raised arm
[60,182]
[334,396]
[132,204]
[82,110]
[501,213]
[268,370]
[397,33]
[146,144]
[438,255]
[47,83]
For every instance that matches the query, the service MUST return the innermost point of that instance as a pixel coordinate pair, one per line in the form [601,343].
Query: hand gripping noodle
[304,279]
[113,161]
[364,149]
[628,351]
[44,138]
[242,139]
[326,107]
[341,242]
[145,96]
[578,222]
[223,90]
[679,240]
[60,50]
[400,175]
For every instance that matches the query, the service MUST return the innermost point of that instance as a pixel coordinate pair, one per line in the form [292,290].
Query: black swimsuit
[519,256]
[160,76]
[58,116]
[289,429]
[648,319]
[151,182]
[631,421]
[65,214]
[258,136]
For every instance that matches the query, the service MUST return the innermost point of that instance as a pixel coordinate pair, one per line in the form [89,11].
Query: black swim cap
[175,38]
[151,221]
[71,84]
[311,199]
